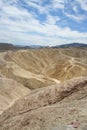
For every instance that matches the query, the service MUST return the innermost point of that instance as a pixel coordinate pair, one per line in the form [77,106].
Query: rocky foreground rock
[49,108]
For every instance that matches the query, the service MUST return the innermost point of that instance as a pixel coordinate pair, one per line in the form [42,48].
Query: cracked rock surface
[47,108]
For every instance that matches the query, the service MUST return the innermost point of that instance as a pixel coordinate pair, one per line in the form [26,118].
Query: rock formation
[45,108]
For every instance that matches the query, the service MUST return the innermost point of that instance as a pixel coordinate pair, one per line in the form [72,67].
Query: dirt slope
[48,107]
[37,68]
[54,99]
[10,91]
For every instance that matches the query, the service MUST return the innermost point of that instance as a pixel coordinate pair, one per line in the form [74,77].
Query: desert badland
[43,88]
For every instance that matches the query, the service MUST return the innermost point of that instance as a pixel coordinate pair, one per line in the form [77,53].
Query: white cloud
[83,4]
[76,17]
[27,39]
[21,26]
[73,12]
[36,1]
[40,8]
[75,9]
[58,4]
[52,19]
[14,12]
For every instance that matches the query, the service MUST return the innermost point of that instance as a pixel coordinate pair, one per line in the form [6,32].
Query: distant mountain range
[8,46]
[71,45]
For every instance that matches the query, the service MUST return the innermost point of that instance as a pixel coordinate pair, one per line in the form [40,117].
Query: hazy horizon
[47,22]
[37,45]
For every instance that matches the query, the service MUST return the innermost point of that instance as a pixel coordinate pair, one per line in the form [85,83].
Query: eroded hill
[38,90]
[48,107]
[10,91]
[36,68]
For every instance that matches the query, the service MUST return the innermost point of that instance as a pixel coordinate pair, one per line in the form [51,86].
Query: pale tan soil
[34,84]
[36,68]
[49,107]
[10,91]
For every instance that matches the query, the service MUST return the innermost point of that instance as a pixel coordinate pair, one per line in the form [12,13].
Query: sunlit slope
[49,107]
[36,68]
[10,91]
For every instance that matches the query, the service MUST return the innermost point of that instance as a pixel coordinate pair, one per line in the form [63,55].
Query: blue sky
[45,22]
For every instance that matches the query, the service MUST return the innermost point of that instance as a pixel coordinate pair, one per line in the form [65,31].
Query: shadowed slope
[47,107]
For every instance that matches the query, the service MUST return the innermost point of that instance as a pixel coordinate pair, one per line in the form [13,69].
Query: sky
[43,22]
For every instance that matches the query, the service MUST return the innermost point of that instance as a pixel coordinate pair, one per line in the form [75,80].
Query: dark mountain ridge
[8,46]
[70,45]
